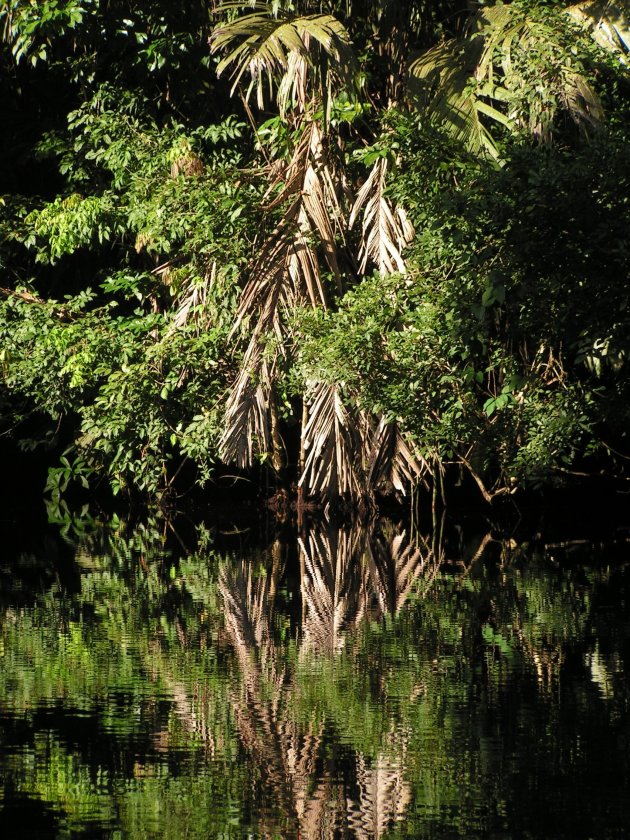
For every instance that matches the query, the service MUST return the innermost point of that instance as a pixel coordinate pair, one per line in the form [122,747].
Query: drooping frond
[247,424]
[391,459]
[330,445]
[385,231]
[192,301]
[310,176]
[441,81]
[285,274]
[286,270]
[267,288]
[512,70]
[278,52]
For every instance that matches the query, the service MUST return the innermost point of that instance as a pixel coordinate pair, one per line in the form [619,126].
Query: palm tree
[306,61]
[507,69]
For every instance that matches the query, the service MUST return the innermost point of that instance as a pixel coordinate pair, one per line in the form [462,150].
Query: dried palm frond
[391,459]
[330,442]
[385,232]
[280,51]
[267,288]
[310,176]
[285,273]
[192,299]
[247,423]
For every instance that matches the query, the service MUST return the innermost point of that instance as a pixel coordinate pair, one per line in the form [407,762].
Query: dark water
[352,683]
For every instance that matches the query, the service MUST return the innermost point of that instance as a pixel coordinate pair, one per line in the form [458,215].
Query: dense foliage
[360,242]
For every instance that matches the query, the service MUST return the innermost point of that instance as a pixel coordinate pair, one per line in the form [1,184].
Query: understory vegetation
[365,245]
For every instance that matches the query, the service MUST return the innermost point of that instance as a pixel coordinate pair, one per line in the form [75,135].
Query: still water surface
[347,683]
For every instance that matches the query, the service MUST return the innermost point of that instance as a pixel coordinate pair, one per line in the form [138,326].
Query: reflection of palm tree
[384,793]
[334,585]
[286,754]
[347,574]
[344,576]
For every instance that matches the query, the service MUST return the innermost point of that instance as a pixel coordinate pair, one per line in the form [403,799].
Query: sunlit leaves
[288,54]
[514,69]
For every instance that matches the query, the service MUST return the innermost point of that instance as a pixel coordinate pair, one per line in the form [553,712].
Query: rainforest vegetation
[357,245]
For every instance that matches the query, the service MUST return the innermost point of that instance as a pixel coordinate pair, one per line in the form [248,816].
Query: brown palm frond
[330,443]
[285,273]
[267,286]
[191,301]
[303,266]
[385,231]
[391,459]
[247,422]
[310,175]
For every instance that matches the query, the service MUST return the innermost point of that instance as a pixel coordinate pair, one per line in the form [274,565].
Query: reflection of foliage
[149,677]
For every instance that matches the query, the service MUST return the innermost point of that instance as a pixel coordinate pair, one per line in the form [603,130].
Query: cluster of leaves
[411,259]
[136,363]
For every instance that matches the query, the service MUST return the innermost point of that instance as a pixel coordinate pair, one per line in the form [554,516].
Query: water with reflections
[358,683]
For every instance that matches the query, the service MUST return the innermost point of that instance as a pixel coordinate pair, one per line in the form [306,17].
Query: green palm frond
[512,70]
[280,53]
[442,82]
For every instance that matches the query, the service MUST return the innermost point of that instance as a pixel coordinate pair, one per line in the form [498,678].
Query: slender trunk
[302,461]
[277,447]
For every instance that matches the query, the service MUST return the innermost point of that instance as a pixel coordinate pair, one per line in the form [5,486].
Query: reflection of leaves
[494,639]
[194,668]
